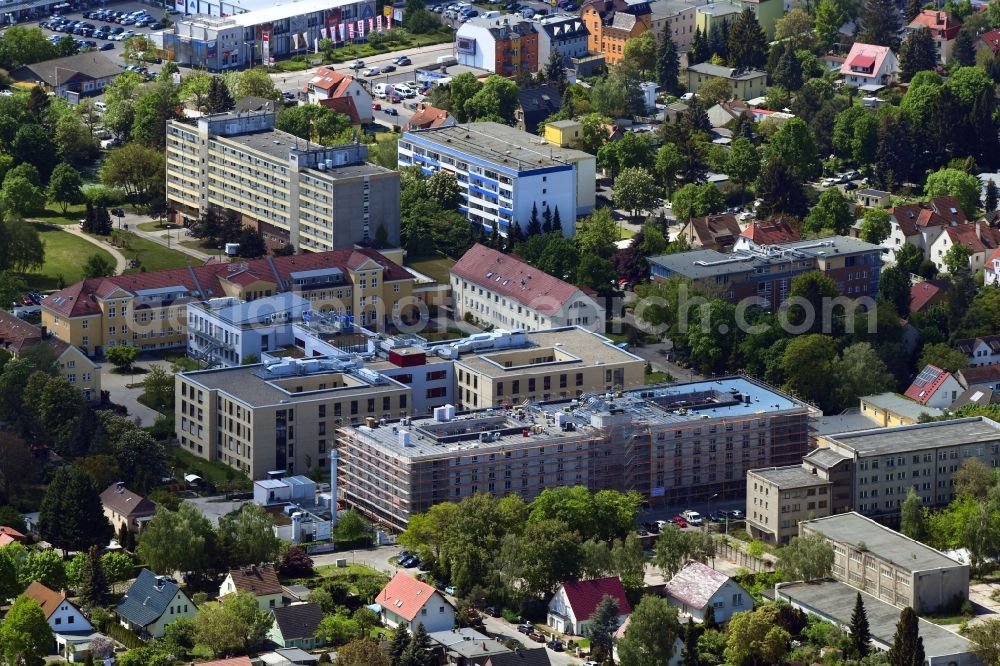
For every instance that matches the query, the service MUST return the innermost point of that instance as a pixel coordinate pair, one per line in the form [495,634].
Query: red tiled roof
[343,104]
[921,294]
[17,334]
[926,384]
[991,40]
[585,595]
[258,580]
[938,212]
[9,535]
[980,374]
[936,20]
[426,117]
[771,232]
[333,82]
[81,298]
[867,56]
[512,277]
[404,595]
[48,599]
[865,61]
[976,236]
[993,257]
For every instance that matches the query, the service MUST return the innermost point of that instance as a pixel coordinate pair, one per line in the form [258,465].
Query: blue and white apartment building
[503,172]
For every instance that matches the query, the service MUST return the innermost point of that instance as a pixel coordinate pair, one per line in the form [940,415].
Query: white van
[492,14]
[100,107]
[447,60]
[381,90]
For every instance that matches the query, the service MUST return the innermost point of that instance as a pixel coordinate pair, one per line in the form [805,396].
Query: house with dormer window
[153,602]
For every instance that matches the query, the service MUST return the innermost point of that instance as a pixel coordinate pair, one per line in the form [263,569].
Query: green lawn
[153,256]
[346,53]
[438,267]
[65,255]
[658,378]
[156,225]
[212,471]
[53,214]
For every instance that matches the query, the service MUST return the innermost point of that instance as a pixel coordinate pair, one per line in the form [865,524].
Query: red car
[679,521]
[376,106]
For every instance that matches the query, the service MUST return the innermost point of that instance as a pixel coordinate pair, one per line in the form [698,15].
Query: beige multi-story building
[556,364]
[149,310]
[502,290]
[871,472]
[680,444]
[17,336]
[311,196]
[890,566]
[283,416]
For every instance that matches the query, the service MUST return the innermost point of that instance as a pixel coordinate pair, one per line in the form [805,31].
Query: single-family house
[980,376]
[920,224]
[428,117]
[982,350]
[746,83]
[870,198]
[772,231]
[70,627]
[9,535]
[153,602]
[926,293]
[989,40]
[982,239]
[465,646]
[991,269]
[535,105]
[715,232]
[869,65]
[259,580]
[406,600]
[341,92]
[934,387]
[977,395]
[697,587]
[124,507]
[575,601]
[296,625]
[943,26]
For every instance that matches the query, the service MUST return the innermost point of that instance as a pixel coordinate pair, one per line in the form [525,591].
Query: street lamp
[251,45]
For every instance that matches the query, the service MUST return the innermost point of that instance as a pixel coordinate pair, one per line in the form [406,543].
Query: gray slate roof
[92,65]
[147,599]
[535,657]
[298,620]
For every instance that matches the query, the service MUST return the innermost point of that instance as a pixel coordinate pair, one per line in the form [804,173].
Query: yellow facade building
[17,336]
[149,310]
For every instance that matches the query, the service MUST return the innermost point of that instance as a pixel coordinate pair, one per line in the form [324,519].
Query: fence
[741,558]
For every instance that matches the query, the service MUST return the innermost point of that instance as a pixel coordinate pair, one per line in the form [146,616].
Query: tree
[755,638]
[118,567]
[795,28]
[443,188]
[25,635]
[351,527]
[93,583]
[952,182]
[218,99]
[859,371]
[909,257]
[788,72]
[418,652]
[71,515]
[640,53]
[234,626]
[652,631]
[555,70]
[24,46]
[876,225]
[248,537]
[33,144]
[808,557]
[697,200]
[985,636]
[254,82]
[973,479]
[943,356]
[177,540]
[64,186]
[712,92]
[667,63]
[417,19]
[860,633]
[830,15]
[907,646]
[743,163]
[698,51]
[675,547]
[636,190]
[20,196]
[794,143]
[956,258]
[964,50]
[602,624]
[362,652]
[912,521]
[991,196]
[397,646]
[832,213]
[553,556]
[917,54]
[894,289]
[296,563]
[44,566]
[779,190]
[747,42]
[135,168]
[98,265]
[122,357]
[153,108]
[337,629]
[316,123]
[880,23]
[495,100]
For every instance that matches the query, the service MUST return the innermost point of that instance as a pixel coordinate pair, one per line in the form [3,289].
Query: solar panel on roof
[926,376]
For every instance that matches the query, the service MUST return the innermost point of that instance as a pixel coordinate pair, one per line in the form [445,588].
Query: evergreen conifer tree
[546,220]
[747,42]
[880,23]
[667,63]
[860,633]
[691,656]
[534,226]
[964,50]
[94,587]
[907,645]
[698,53]
[400,642]
[218,99]
[557,221]
[990,200]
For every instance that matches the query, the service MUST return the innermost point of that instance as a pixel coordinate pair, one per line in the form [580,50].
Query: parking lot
[112,48]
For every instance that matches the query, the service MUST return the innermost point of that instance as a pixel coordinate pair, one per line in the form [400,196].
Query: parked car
[402,61]
[372,71]
[692,517]
[450,590]
[526,628]
[389,111]
[537,636]
[107,46]
[492,611]
[850,186]
[555,645]
[358,64]
[156,25]
[376,106]
[679,521]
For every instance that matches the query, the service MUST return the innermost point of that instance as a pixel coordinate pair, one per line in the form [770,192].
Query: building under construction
[676,445]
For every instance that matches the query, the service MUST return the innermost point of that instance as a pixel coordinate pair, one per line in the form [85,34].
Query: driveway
[120,393]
